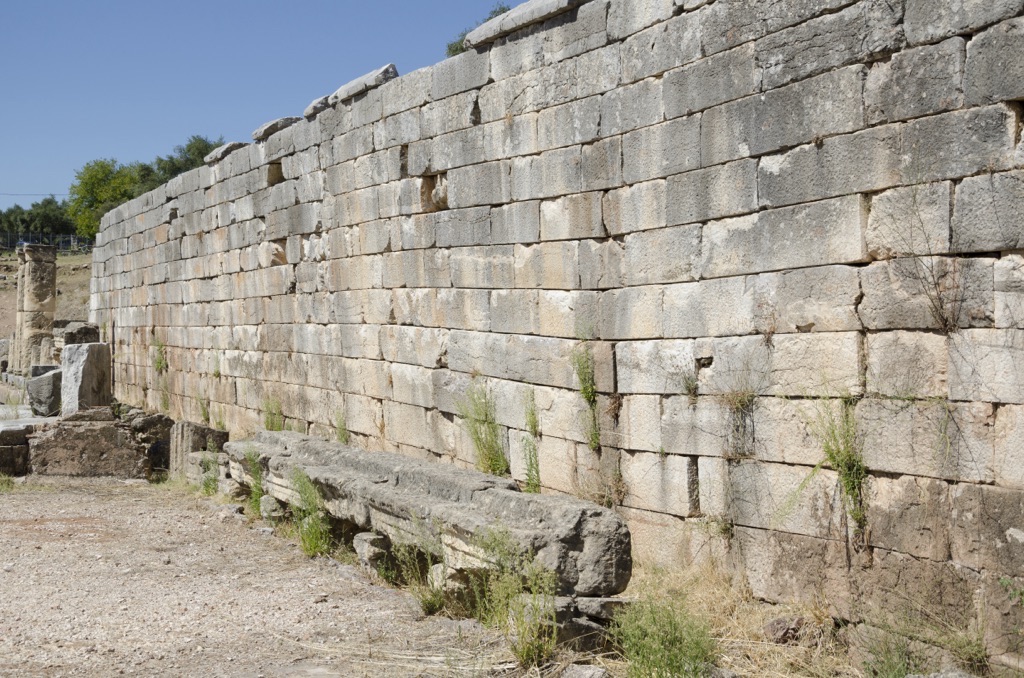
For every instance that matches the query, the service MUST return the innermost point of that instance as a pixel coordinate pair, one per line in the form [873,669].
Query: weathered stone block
[987,530]
[821,233]
[990,76]
[518,222]
[631,313]
[792,499]
[1008,459]
[626,17]
[485,184]
[927,22]
[912,220]
[734,22]
[631,107]
[865,31]
[636,425]
[547,175]
[186,438]
[712,81]
[635,208]
[469,70]
[928,293]
[600,264]
[662,483]
[987,365]
[661,150]
[14,460]
[664,255]
[661,47]
[577,122]
[566,314]
[86,377]
[712,193]
[985,213]
[81,333]
[828,104]
[486,267]
[551,265]
[1009,292]
[959,144]
[654,366]
[933,438]
[573,217]
[394,495]
[44,394]
[88,448]
[602,164]
[910,515]
[907,364]
[854,163]
[917,82]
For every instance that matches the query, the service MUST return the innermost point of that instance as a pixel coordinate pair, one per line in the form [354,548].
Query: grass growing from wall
[273,416]
[583,367]
[836,432]
[531,456]
[341,429]
[477,410]
[160,363]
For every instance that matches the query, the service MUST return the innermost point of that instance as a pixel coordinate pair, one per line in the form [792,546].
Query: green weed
[341,429]
[211,473]
[530,447]
[663,639]
[836,432]
[310,516]
[583,367]
[478,413]
[273,416]
[6,483]
[160,357]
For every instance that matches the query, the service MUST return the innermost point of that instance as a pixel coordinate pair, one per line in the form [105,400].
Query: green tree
[100,186]
[457,45]
[50,217]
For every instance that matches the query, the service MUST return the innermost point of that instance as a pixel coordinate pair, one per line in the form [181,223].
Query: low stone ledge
[586,545]
[362,84]
[521,16]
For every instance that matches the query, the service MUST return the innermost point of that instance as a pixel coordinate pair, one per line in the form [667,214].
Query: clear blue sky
[88,79]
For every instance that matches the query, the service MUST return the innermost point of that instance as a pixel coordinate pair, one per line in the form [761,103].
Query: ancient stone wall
[785,235]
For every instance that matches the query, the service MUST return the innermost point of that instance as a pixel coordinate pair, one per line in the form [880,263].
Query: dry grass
[737,623]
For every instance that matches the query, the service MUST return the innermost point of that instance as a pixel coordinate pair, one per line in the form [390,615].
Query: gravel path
[100,578]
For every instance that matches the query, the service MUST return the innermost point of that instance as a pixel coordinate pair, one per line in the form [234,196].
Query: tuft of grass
[311,517]
[204,408]
[341,429]
[583,367]
[740,439]
[691,385]
[216,365]
[412,564]
[208,486]
[836,432]
[518,595]
[662,638]
[891,656]
[255,469]
[6,483]
[477,410]
[530,446]
[160,363]
[273,415]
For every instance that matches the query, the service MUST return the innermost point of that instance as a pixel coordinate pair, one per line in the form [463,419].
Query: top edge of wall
[521,16]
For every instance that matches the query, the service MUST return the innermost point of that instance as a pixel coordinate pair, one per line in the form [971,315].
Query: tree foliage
[45,217]
[101,185]
[457,45]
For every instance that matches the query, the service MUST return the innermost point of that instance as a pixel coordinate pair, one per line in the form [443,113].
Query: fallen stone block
[81,333]
[91,443]
[265,131]
[14,460]
[587,546]
[362,84]
[44,394]
[86,379]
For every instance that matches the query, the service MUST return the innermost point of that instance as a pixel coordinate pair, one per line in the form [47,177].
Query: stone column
[14,355]
[39,301]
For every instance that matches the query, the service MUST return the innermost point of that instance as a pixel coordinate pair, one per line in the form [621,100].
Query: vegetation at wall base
[310,517]
[661,638]
[6,483]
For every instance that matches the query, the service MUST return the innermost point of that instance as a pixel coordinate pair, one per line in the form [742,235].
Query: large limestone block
[865,31]
[661,150]
[1008,460]
[987,365]
[789,116]
[959,143]
[631,313]
[548,175]
[708,82]
[826,232]
[519,17]
[985,216]
[987,531]
[904,364]
[990,75]
[795,499]
[728,24]
[662,483]
[712,193]
[917,82]
[469,70]
[84,446]
[1009,292]
[820,299]
[664,255]
[662,47]
[911,220]
[928,293]
[635,208]
[927,21]
[910,515]
[86,377]
[587,546]
[626,17]
[932,438]
[44,394]
[654,366]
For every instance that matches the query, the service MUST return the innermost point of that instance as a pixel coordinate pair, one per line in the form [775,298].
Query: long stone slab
[520,16]
[586,545]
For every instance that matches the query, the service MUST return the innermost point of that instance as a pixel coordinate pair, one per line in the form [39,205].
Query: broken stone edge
[586,545]
[521,16]
[221,152]
[265,131]
[358,86]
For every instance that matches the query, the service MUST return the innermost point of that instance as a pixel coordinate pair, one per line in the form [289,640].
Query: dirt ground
[102,577]
[73,273]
